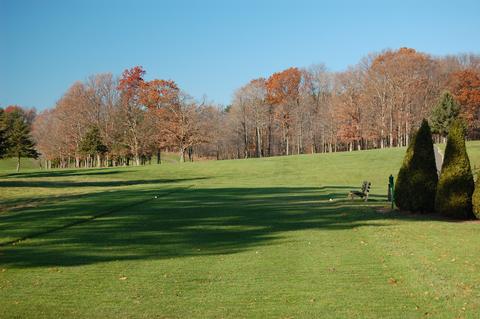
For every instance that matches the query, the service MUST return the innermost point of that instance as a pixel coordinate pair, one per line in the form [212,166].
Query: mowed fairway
[259,238]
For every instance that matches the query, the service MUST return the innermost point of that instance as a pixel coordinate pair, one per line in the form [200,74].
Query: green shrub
[417,179]
[476,199]
[455,187]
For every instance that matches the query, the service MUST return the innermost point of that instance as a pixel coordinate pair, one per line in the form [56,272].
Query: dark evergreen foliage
[476,199]
[19,141]
[417,179]
[92,143]
[3,134]
[444,113]
[456,185]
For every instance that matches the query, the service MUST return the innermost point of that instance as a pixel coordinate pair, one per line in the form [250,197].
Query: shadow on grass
[61,184]
[68,172]
[22,203]
[180,222]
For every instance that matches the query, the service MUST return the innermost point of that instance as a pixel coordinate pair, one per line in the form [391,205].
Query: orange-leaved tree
[465,87]
[283,91]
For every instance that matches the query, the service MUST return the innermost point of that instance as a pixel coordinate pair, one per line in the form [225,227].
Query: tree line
[109,121]
[374,104]
[106,121]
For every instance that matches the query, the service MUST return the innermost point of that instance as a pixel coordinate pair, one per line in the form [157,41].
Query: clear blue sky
[211,47]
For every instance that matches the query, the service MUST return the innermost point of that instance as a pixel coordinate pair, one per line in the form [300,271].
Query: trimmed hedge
[456,185]
[417,179]
[476,199]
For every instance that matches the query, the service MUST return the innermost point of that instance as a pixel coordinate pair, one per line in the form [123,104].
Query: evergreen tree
[3,132]
[92,145]
[417,179]
[456,185]
[18,139]
[444,113]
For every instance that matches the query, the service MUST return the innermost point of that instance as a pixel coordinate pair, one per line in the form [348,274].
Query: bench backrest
[366,187]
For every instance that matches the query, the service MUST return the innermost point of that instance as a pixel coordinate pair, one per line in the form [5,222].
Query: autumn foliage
[376,103]
[283,91]
[465,86]
[133,119]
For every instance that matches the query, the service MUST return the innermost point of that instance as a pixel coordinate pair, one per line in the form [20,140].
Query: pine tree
[18,139]
[3,137]
[92,145]
[456,185]
[417,179]
[444,113]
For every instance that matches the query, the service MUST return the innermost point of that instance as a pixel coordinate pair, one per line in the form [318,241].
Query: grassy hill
[10,164]
[27,164]
[255,238]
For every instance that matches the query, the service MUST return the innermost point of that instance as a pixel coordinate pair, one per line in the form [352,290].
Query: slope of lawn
[257,238]
[27,164]
[10,164]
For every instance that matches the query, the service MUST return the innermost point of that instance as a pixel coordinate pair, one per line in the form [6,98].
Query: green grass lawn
[258,238]
[27,164]
[10,164]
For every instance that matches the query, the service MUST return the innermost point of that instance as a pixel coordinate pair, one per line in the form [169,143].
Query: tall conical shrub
[417,179]
[455,187]
[476,199]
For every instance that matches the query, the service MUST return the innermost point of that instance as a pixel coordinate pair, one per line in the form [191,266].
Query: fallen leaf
[392,281]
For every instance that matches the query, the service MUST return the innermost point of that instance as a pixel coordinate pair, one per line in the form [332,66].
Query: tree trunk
[190,153]
[269,141]
[18,163]
[259,146]
[407,135]
[298,144]
[137,159]
[182,154]
[159,159]
[323,140]
[287,145]
[390,132]
[245,140]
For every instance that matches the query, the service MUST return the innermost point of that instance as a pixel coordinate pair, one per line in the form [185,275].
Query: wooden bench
[363,192]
